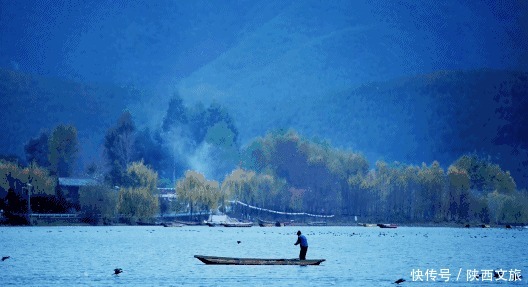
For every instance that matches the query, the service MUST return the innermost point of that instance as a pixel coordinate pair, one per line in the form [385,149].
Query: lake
[356,256]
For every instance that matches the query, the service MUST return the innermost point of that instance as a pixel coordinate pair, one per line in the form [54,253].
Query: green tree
[37,150]
[98,203]
[119,147]
[176,114]
[63,149]
[432,181]
[458,193]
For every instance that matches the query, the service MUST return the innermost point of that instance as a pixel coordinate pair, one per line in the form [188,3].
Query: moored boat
[367,224]
[238,224]
[255,261]
[171,224]
[264,223]
[386,225]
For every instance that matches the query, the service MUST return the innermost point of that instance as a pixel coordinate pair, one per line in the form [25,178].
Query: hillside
[437,116]
[31,104]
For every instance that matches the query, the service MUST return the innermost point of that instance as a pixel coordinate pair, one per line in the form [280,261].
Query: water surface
[159,256]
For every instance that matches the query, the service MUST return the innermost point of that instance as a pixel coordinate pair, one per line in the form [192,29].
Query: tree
[119,147]
[63,149]
[138,198]
[176,114]
[197,192]
[14,181]
[149,148]
[37,150]
[98,202]
[458,193]
[432,181]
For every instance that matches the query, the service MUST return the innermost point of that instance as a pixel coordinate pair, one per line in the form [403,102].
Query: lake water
[159,256]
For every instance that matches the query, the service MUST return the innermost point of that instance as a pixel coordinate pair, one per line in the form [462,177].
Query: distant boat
[255,261]
[193,223]
[386,225]
[264,223]
[226,221]
[367,224]
[238,224]
[172,224]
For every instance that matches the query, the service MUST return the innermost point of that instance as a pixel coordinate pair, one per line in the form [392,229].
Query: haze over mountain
[360,74]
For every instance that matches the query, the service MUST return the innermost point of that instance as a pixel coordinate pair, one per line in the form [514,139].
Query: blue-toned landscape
[118,117]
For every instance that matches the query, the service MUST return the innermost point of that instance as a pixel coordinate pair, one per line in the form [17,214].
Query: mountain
[311,49]
[436,116]
[32,104]
[362,74]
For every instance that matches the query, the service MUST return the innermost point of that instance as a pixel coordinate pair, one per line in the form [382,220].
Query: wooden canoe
[255,261]
[238,224]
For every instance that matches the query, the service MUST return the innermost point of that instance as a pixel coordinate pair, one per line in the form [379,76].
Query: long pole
[28,188]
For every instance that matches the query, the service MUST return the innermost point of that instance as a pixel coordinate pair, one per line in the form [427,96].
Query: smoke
[201,160]
[187,154]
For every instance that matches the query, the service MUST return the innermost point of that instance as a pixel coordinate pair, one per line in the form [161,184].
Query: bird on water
[5,258]
[401,280]
[117,271]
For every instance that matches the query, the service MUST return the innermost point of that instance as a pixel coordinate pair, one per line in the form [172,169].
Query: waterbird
[238,241]
[117,271]
[4,258]
[401,280]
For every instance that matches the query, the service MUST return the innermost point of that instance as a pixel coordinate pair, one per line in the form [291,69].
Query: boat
[190,223]
[226,221]
[171,224]
[238,224]
[264,223]
[367,224]
[255,261]
[386,225]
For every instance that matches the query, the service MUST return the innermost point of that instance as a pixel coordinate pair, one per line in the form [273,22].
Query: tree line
[316,178]
[280,171]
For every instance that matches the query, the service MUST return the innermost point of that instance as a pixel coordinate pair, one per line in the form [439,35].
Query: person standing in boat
[301,239]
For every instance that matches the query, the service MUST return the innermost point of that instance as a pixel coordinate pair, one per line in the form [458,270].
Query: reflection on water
[158,256]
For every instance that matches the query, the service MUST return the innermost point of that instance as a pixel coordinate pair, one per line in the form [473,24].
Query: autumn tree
[16,181]
[197,192]
[138,197]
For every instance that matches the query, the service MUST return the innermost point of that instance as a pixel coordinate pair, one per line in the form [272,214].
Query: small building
[69,187]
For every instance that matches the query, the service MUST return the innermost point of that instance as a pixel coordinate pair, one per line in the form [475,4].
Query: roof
[68,181]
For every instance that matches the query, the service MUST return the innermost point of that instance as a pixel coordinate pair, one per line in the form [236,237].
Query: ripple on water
[152,256]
